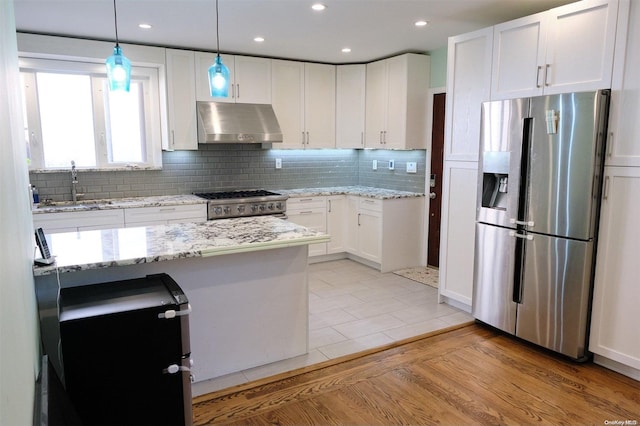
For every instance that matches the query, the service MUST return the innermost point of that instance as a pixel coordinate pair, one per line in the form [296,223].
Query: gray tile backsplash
[231,166]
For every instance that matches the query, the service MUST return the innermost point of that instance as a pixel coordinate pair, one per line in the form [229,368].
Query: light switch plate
[392,165]
[375,164]
[412,167]
[278,163]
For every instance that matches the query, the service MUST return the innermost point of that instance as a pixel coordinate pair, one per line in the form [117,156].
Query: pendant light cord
[115,19]
[217,29]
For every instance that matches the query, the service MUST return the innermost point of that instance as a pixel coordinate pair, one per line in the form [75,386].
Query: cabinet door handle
[168,209]
[610,145]
[305,199]
[384,138]
[238,91]
[538,76]
[605,192]
[380,137]
[173,139]
[546,74]
[302,138]
[358,219]
[307,212]
[307,138]
[33,139]
[329,210]
[362,138]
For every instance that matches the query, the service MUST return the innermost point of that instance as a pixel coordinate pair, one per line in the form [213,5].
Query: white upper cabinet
[623,144]
[320,105]
[303,98]
[396,99]
[566,49]
[287,93]
[181,100]
[468,85]
[350,105]
[250,78]
[518,49]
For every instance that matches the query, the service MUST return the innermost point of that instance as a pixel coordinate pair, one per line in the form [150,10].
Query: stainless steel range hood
[220,122]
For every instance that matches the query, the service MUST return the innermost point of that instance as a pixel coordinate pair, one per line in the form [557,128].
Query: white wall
[19,337]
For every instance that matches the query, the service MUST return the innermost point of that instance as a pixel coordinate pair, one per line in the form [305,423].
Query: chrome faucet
[74,183]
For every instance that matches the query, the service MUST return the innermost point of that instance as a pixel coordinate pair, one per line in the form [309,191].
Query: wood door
[435,204]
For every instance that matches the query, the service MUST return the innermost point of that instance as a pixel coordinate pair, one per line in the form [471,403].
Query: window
[70,114]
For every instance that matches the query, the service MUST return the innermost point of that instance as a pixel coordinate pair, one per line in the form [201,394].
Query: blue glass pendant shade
[219,79]
[118,70]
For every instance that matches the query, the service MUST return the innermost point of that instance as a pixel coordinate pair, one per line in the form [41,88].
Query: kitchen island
[246,280]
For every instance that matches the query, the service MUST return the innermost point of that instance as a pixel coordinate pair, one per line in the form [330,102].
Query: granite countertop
[118,203]
[173,200]
[363,191]
[76,251]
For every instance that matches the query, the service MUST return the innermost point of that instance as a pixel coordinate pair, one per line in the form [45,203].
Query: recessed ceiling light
[421,23]
[346,50]
[258,39]
[144,26]
[318,6]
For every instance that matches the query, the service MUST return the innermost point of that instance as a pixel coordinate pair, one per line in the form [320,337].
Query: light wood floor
[472,375]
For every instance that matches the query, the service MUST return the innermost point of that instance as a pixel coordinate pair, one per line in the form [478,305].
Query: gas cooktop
[243,202]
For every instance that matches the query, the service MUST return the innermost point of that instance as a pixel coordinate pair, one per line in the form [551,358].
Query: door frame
[429,128]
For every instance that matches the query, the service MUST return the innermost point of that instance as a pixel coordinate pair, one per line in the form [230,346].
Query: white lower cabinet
[119,218]
[457,248]
[310,212]
[164,215]
[337,223]
[614,332]
[79,221]
[386,232]
[369,229]
[358,228]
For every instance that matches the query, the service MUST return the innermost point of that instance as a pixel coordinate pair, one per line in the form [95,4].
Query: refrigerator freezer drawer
[556,292]
[493,277]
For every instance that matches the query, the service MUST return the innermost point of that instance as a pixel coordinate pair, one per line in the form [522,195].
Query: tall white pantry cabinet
[615,339]
[486,65]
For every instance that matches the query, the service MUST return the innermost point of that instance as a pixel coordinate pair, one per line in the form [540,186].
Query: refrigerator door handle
[525,237]
[521,222]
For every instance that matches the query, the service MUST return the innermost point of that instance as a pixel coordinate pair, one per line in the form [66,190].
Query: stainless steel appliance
[541,163]
[251,202]
[221,122]
[126,352]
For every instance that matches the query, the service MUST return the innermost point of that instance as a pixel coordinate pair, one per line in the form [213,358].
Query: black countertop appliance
[126,352]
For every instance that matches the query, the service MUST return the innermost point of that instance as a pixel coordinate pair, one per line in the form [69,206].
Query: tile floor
[353,307]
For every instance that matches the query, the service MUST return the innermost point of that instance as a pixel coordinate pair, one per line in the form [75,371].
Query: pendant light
[118,66]
[218,72]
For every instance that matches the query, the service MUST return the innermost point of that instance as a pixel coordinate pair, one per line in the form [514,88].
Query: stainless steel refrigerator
[539,186]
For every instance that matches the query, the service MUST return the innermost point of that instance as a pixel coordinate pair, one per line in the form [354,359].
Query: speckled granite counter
[363,191]
[119,203]
[246,280]
[99,249]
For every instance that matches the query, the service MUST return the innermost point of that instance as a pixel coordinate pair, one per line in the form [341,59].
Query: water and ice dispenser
[495,180]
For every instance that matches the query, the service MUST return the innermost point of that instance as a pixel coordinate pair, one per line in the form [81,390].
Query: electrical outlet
[412,167]
[375,164]
[278,163]
[392,165]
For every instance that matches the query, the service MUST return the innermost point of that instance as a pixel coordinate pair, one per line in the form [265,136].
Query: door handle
[526,237]
[432,195]
[521,222]
[538,76]
[546,74]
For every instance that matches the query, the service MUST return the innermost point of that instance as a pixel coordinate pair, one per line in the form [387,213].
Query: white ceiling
[373,29]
